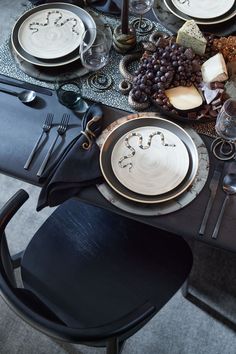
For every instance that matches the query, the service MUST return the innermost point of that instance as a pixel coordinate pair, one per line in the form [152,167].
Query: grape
[169,66]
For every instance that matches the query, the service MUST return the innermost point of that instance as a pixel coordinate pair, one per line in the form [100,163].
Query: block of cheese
[214,69]
[190,36]
[184,98]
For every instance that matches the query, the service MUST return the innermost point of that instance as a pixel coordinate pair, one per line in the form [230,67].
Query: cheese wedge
[214,69]
[184,98]
[190,36]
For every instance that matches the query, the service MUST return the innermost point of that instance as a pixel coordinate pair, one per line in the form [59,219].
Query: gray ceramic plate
[82,14]
[121,130]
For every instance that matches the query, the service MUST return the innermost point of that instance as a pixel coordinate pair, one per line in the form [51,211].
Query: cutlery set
[47,125]
[229,187]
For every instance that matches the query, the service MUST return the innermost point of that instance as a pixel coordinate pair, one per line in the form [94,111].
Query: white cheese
[214,69]
[184,98]
[190,36]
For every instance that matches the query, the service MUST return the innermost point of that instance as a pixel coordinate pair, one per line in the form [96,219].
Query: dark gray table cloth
[20,126]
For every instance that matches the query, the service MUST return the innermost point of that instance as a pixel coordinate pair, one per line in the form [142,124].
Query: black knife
[25,85]
[213,188]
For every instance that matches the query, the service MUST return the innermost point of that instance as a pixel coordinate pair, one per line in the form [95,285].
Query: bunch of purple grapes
[169,66]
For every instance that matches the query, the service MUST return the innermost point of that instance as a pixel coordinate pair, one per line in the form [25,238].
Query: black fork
[45,129]
[60,131]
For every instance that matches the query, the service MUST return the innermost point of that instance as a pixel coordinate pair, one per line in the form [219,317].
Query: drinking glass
[95,56]
[226,121]
[140,7]
[69,94]
[223,147]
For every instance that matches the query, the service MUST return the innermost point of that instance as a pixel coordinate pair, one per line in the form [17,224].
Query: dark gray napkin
[77,166]
[105,6]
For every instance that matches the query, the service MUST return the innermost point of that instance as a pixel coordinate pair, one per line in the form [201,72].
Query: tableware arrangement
[141,204]
[45,130]
[117,164]
[229,187]
[24,96]
[61,44]
[60,132]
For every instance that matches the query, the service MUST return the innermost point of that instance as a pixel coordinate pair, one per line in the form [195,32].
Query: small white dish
[51,33]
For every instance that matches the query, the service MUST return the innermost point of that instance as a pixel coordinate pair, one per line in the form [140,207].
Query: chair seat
[91,266]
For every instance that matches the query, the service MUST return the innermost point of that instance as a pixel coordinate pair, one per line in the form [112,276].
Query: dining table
[20,125]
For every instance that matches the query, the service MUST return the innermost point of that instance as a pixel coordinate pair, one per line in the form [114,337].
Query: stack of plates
[50,35]
[208,12]
[149,160]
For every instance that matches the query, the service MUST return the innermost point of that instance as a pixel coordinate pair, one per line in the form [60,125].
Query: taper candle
[125,16]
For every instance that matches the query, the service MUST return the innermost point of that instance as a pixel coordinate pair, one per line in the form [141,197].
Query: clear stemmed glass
[140,7]
[226,129]
[94,57]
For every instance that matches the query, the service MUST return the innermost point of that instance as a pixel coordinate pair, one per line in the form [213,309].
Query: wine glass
[95,56]
[140,7]
[223,147]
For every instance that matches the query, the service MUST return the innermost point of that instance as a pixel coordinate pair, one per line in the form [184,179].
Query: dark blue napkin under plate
[77,166]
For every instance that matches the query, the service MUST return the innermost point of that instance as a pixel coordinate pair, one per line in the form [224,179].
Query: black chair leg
[114,346]
[16,259]
[184,289]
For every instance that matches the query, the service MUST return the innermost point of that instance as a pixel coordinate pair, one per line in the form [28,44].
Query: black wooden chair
[91,276]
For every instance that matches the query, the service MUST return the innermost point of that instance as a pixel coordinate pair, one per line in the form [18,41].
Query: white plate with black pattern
[150,160]
[206,9]
[73,56]
[200,21]
[51,33]
[111,155]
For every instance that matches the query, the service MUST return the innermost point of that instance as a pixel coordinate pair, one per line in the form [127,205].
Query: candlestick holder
[123,42]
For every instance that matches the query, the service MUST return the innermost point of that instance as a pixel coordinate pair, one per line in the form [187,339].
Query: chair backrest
[37,314]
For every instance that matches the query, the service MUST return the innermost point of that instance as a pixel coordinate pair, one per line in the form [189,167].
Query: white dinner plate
[51,33]
[106,159]
[150,160]
[206,22]
[206,9]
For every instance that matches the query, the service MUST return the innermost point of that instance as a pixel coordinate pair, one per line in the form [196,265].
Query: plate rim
[175,3]
[198,21]
[34,60]
[164,197]
[46,57]
[163,129]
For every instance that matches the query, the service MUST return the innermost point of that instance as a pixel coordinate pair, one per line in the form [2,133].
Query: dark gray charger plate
[173,23]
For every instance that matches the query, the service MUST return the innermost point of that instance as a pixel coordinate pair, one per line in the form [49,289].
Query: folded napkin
[77,166]
[105,6]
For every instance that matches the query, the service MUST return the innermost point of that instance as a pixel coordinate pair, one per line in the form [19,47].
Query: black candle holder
[223,150]
[123,42]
